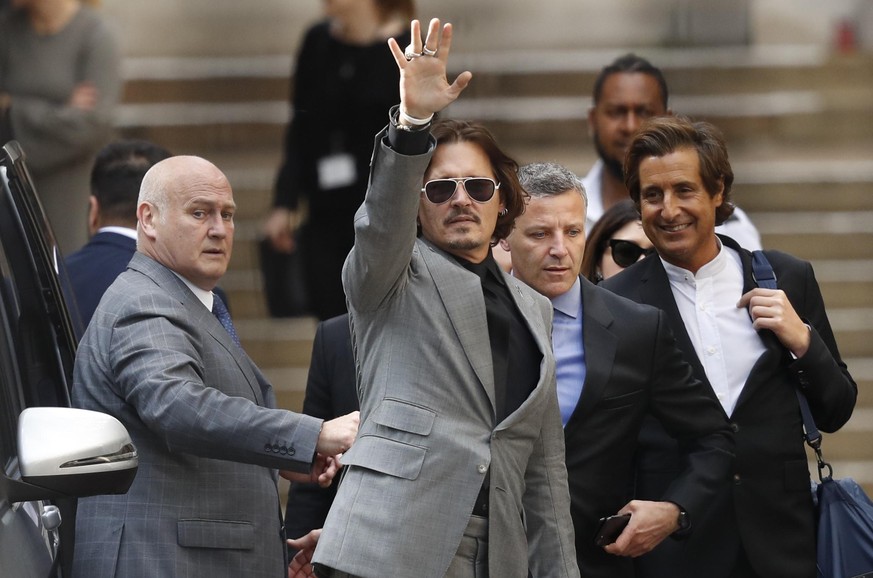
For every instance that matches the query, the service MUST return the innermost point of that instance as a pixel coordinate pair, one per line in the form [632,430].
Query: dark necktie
[219,309]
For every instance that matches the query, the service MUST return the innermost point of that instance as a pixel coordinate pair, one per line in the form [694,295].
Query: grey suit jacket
[205,500]
[428,433]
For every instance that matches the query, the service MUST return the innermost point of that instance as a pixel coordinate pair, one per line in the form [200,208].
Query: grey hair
[550,179]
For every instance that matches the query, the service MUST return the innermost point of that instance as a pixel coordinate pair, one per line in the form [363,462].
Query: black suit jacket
[765,506]
[94,267]
[634,370]
[330,393]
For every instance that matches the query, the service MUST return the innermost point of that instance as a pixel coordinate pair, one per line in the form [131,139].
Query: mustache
[455,213]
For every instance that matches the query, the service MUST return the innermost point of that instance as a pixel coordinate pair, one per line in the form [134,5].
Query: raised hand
[424,87]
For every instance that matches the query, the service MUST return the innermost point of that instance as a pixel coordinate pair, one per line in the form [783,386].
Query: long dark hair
[512,194]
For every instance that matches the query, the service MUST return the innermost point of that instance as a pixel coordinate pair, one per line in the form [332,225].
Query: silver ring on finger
[410,53]
[425,51]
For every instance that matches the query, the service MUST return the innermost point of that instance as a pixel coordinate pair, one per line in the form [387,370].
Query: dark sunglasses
[626,253]
[480,189]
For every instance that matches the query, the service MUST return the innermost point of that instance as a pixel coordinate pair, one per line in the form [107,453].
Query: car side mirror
[66,452]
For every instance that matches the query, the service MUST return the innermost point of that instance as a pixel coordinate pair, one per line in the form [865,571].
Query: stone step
[812,246]
[526,97]
[543,121]
[554,72]
[819,196]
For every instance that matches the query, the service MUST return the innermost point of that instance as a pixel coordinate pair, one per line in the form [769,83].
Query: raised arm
[385,226]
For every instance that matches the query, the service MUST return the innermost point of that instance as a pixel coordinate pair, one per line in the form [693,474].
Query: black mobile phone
[609,529]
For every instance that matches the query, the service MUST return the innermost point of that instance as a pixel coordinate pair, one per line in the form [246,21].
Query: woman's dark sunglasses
[626,253]
[480,189]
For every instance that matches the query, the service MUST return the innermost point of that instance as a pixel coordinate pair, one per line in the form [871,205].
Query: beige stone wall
[192,28]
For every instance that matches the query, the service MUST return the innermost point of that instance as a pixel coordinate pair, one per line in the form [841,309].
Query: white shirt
[202,295]
[722,334]
[127,232]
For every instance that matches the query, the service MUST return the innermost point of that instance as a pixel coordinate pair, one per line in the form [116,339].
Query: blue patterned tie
[219,309]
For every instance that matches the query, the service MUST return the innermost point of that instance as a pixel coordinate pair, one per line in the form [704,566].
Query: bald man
[159,357]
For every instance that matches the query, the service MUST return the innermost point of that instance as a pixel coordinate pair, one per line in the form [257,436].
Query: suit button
[801,377]
[275,448]
[283,450]
[735,427]
[268,448]
[291,451]
[482,468]
[737,479]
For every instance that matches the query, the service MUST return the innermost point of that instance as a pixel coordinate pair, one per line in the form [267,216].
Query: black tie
[219,309]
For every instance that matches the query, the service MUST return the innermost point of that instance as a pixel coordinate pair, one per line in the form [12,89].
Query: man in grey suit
[617,363]
[202,416]
[458,469]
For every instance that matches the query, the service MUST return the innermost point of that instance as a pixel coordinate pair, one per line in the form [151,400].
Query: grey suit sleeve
[385,227]
[161,362]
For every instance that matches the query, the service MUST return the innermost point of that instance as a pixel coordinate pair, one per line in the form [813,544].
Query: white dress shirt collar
[202,295]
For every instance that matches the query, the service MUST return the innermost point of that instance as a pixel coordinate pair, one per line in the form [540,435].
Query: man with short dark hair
[753,347]
[115,180]
[626,93]
[617,363]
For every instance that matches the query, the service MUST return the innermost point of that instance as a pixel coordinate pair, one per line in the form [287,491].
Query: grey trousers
[471,559]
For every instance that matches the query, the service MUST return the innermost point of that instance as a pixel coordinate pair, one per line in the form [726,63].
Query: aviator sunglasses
[480,189]
[626,253]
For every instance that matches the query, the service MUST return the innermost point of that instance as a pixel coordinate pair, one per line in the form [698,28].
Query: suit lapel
[203,318]
[532,317]
[210,323]
[659,295]
[461,294]
[599,343]
[774,349]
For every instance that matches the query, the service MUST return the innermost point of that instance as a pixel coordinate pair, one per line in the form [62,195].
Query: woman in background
[60,81]
[344,82]
[615,242]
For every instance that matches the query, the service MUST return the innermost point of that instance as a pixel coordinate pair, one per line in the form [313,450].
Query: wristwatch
[684,521]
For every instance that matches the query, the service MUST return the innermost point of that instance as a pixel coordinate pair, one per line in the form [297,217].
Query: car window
[37,316]
[11,396]
[37,348]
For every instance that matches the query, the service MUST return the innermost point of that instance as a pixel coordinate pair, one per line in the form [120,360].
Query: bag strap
[764,276]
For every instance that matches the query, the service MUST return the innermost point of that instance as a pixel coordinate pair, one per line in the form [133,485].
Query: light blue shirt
[569,350]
